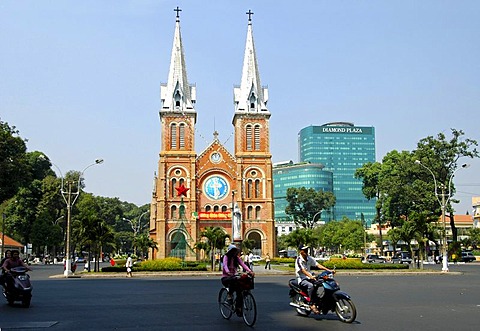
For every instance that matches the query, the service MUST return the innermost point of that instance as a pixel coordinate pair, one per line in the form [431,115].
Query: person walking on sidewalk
[267,262]
[129,265]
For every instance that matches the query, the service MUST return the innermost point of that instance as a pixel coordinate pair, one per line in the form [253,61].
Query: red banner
[215,215]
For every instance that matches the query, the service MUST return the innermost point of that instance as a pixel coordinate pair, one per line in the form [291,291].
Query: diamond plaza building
[342,148]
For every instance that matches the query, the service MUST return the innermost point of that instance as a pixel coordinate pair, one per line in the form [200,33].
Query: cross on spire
[178,10]
[249,13]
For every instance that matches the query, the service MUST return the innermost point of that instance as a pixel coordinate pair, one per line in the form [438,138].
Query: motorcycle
[17,287]
[327,297]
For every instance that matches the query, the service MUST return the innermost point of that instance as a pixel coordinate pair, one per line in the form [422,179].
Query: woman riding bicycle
[231,262]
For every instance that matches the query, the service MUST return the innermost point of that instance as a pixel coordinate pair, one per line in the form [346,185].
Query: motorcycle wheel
[298,299]
[345,310]
[26,301]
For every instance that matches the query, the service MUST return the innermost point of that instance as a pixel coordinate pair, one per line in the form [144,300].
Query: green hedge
[167,264]
[356,263]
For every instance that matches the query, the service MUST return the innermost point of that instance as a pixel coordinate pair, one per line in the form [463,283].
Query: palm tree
[216,239]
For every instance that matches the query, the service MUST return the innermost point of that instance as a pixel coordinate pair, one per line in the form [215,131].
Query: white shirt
[129,263]
[300,264]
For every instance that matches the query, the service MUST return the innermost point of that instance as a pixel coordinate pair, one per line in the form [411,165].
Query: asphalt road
[384,302]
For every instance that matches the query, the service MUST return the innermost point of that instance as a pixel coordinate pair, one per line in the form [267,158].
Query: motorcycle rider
[12,262]
[305,277]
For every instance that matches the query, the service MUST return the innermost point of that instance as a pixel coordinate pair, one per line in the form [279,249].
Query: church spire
[250,96]
[177,94]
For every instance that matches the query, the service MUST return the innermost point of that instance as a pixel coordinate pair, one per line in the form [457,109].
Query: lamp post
[70,198]
[445,198]
[136,227]
[313,218]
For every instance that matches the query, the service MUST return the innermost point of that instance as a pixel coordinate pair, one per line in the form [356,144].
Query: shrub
[356,263]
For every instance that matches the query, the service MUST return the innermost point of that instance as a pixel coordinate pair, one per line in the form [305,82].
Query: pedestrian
[267,262]
[129,265]
[112,261]
[250,260]
[244,258]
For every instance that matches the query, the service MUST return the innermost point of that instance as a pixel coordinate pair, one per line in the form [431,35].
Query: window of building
[249,212]
[173,212]
[257,189]
[248,137]
[172,189]
[173,136]
[257,212]
[182,135]
[257,137]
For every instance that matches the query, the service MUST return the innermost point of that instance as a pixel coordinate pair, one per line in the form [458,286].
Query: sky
[81,79]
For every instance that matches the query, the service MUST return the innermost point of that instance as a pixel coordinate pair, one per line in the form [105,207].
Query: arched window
[249,188]
[172,189]
[248,137]
[253,100]
[173,136]
[181,132]
[173,212]
[258,193]
[257,212]
[208,208]
[178,98]
[257,137]
[216,208]
[249,212]
[224,209]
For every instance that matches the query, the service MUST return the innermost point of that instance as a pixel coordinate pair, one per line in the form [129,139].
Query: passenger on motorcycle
[304,276]
[231,262]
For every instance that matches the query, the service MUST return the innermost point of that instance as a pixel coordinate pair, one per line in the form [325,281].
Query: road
[384,302]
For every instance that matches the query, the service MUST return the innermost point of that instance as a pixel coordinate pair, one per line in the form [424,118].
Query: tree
[13,166]
[370,174]
[441,156]
[304,204]
[216,239]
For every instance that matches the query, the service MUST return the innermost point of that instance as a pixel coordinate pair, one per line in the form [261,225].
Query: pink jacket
[229,270]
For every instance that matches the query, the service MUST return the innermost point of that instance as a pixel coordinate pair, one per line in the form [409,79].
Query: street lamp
[313,218]
[443,204]
[69,201]
[136,227]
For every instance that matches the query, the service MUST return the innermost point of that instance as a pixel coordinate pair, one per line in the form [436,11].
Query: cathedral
[216,188]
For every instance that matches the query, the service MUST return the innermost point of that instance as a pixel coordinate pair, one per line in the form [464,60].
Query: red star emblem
[182,190]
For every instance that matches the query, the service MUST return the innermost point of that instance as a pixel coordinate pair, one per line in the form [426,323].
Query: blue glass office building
[342,148]
[306,174]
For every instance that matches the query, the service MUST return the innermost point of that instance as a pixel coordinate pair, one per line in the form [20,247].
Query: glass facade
[307,175]
[342,148]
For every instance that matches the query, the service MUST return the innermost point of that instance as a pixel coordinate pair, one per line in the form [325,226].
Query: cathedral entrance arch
[179,244]
[256,237]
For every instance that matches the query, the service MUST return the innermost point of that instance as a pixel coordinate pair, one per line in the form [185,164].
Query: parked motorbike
[327,297]
[17,287]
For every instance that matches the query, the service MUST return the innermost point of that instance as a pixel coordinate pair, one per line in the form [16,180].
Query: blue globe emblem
[215,187]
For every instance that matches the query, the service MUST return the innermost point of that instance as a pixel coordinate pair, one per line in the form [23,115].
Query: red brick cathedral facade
[195,191]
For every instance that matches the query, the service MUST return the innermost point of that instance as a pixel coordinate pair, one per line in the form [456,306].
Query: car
[374,258]
[468,257]
[256,258]
[402,257]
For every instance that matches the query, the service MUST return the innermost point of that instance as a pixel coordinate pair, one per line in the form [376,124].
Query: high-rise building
[306,174]
[216,188]
[342,148]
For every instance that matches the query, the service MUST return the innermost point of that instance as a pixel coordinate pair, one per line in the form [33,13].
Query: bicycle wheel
[249,309]
[225,308]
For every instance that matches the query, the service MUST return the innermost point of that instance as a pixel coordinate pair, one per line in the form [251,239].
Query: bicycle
[244,306]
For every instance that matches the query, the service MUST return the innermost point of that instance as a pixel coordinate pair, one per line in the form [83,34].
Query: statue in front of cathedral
[237,224]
